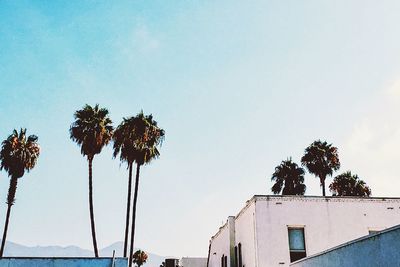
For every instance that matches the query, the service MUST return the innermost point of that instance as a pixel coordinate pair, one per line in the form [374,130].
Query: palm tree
[321,159]
[140,258]
[18,154]
[125,144]
[347,184]
[289,176]
[137,140]
[92,130]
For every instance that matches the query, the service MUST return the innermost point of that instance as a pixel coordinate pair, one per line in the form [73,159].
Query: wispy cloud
[140,41]
[373,145]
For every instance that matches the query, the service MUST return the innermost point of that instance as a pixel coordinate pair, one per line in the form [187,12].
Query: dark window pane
[240,255]
[236,257]
[295,256]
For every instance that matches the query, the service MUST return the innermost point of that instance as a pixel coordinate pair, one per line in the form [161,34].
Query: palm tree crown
[92,129]
[289,176]
[19,153]
[347,184]
[137,138]
[321,159]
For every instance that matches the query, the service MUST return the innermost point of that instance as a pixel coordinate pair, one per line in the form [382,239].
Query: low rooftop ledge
[63,261]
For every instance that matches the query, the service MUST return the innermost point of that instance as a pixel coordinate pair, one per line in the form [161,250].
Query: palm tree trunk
[96,253]
[128,209]
[323,185]
[10,201]
[134,215]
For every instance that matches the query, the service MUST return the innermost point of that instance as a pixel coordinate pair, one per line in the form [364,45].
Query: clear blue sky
[237,85]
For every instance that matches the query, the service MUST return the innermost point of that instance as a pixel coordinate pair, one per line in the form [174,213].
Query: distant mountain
[16,250]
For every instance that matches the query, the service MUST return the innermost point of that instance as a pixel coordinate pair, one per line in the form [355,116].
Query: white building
[377,250]
[277,230]
[193,262]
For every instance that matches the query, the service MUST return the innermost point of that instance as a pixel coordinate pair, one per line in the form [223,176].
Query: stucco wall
[245,234]
[375,251]
[62,262]
[219,246]
[193,262]
[262,226]
[328,222]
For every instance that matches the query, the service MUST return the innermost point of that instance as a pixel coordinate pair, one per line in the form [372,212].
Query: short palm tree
[139,258]
[289,179]
[321,159]
[92,130]
[18,154]
[347,184]
[137,140]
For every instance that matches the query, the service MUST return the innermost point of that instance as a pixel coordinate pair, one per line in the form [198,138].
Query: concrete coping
[64,258]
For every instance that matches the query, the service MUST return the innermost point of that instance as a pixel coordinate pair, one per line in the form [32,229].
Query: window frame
[240,261]
[292,252]
[236,257]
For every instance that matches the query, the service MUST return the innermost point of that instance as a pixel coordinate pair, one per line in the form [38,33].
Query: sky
[238,86]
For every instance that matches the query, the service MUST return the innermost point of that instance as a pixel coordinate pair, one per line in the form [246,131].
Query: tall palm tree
[125,139]
[347,184]
[18,154]
[321,159]
[289,178]
[137,140]
[92,130]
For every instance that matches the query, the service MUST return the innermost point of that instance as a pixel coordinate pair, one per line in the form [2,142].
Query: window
[240,255]
[236,257]
[224,261]
[297,246]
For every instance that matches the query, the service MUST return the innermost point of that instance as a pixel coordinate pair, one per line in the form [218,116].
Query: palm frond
[289,179]
[19,153]
[137,139]
[347,184]
[321,159]
[92,129]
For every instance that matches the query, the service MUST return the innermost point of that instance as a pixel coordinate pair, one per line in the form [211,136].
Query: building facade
[278,230]
[193,262]
[376,250]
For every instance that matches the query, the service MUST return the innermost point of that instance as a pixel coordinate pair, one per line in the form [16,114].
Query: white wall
[219,246]
[374,251]
[193,262]
[245,233]
[262,226]
[328,222]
